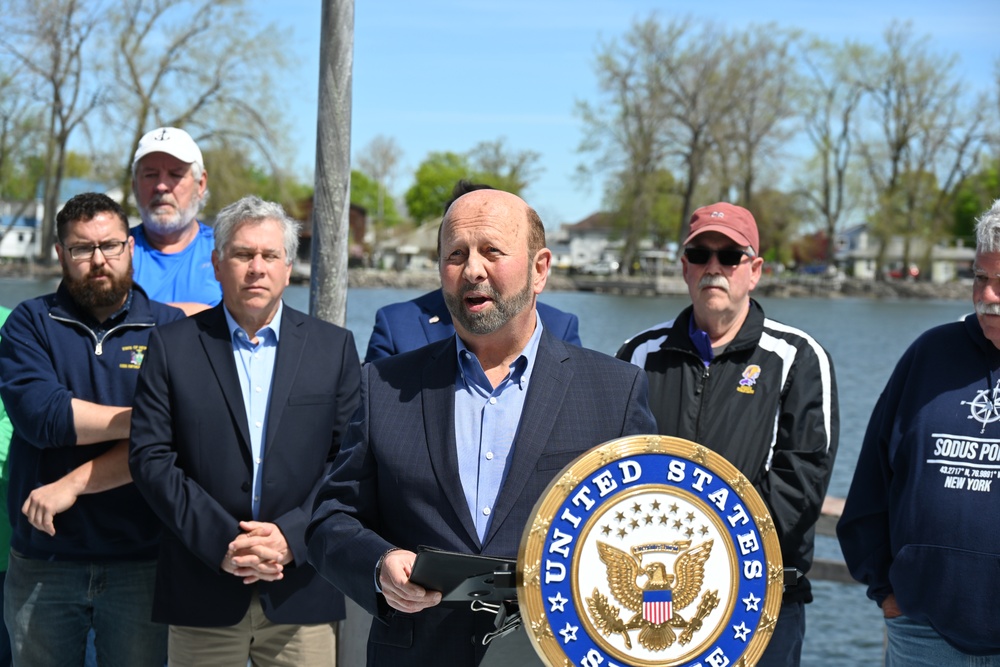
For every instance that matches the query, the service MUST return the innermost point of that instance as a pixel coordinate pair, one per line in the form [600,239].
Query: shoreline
[791,286]
[787,286]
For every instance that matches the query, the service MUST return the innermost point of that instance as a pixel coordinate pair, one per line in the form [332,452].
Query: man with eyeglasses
[84,543]
[759,392]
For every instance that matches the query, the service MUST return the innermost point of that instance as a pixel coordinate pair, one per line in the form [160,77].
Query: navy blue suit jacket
[190,457]
[405,326]
[396,481]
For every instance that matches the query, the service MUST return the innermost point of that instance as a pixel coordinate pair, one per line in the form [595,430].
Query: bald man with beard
[454,442]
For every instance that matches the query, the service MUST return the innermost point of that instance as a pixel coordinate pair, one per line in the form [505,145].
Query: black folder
[465,577]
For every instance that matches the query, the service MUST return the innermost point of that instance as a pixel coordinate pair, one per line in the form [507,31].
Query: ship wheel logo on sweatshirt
[650,550]
[985,407]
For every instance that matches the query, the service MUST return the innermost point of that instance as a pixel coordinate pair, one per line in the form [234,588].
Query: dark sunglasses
[726,256]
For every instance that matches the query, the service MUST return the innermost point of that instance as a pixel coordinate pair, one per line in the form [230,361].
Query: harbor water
[865,338]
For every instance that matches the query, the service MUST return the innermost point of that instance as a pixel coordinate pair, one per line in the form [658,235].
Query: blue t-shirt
[185,276]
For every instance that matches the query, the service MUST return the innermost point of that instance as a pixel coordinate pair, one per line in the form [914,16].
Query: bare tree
[378,160]
[508,169]
[758,124]
[928,139]
[626,131]
[700,96]
[831,92]
[20,133]
[48,38]
[195,64]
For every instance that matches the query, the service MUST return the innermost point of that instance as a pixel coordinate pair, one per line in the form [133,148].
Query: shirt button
[258,460]
[493,400]
[257,424]
[486,511]
[257,389]
[489,456]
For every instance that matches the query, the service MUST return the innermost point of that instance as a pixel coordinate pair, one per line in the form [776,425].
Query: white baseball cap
[172,141]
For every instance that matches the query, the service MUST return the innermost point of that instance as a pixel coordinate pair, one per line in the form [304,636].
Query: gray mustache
[713,280]
[987,308]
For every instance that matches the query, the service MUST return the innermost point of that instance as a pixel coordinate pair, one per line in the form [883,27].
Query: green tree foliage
[378,161]
[365,193]
[778,215]
[491,162]
[664,204]
[232,175]
[975,196]
[433,183]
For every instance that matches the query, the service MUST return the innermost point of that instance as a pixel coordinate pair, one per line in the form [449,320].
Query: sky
[444,75]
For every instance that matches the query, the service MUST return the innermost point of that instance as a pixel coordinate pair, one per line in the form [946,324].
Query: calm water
[864,337]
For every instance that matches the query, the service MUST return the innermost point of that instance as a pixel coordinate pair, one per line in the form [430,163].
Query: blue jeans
[785,647]
[4,637]
[913,644]
[50,606]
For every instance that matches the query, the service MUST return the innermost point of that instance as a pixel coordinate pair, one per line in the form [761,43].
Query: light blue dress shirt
[255,367]
[486,423]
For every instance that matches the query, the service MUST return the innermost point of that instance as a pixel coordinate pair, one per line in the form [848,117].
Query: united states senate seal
[650,550]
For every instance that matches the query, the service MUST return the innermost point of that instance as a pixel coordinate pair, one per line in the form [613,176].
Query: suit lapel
[550,378]
[438,398]
[286,369]
[219,349]
[436,320]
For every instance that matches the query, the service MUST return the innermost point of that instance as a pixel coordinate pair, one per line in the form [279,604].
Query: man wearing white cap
[758,392]
[173,251]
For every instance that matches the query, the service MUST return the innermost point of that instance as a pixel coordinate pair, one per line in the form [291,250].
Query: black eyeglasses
[108,249]
[726,256]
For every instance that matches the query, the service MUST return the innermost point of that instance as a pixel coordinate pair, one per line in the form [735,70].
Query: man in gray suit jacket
[453,443]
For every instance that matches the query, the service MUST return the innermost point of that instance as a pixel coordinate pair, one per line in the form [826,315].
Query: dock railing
[826,568]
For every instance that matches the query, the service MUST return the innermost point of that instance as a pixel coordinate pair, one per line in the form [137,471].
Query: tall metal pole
[331,223]
[332,199]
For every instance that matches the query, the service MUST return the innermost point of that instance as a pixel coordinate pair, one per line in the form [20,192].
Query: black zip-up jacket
[767,403]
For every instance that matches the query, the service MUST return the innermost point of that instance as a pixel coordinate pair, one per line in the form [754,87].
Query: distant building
[589,241]
[18,234]
[414,250]
[856,253]
[593,245]
[20,222]
[358,241]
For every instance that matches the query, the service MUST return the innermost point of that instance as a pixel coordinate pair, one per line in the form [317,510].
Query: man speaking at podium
[454,442]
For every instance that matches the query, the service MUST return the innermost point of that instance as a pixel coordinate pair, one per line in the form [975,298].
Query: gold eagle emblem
[624,571]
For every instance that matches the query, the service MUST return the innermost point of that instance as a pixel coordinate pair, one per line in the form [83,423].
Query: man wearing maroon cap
[759,392]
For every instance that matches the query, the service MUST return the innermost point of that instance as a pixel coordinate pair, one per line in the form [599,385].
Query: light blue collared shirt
[255,367]
[486,422]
